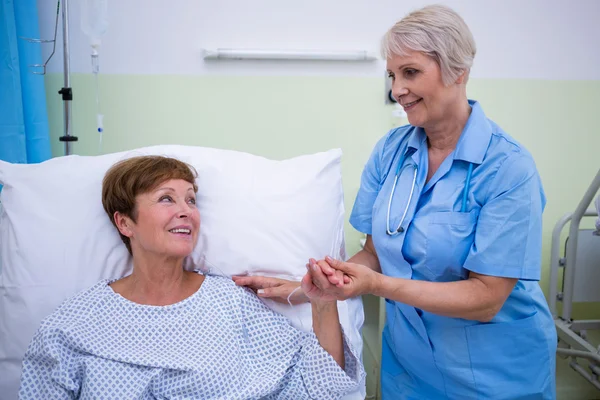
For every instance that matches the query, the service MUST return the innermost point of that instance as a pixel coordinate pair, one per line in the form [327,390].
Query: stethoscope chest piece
[400,228]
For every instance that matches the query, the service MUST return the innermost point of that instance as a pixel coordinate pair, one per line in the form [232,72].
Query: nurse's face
[167,221]
[417,85]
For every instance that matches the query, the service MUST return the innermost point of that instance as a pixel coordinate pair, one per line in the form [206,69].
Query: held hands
[357,279]
[325,280]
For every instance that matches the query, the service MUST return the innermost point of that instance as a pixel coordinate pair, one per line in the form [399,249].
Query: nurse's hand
[334,276]
[315,284]
[358,279]
[273,288]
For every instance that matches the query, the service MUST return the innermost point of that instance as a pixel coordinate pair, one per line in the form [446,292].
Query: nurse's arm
[478,298]
[367,256]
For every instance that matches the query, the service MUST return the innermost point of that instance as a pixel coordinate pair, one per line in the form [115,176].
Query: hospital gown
[220,343]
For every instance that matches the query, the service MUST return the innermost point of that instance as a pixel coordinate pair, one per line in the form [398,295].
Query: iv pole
[66,91]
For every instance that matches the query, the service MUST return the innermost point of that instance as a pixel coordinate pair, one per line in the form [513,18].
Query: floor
[572,386]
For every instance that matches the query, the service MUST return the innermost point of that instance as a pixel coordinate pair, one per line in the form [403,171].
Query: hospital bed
[580,270]
[55,238]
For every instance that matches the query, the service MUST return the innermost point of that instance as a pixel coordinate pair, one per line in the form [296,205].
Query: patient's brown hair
[129,178]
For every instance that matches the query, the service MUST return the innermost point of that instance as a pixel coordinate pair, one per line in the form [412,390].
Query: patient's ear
[124,224]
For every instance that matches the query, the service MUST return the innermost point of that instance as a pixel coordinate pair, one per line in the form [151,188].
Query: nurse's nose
[399,90]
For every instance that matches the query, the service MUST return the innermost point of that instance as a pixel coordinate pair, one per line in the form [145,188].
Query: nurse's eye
[391,75]
[410,72]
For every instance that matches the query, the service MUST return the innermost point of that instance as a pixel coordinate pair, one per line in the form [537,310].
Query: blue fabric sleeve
[361,217]
[508,237]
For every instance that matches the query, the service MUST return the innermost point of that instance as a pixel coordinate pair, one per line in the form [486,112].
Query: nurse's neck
[443,136]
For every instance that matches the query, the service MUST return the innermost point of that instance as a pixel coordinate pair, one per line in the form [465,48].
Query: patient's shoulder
[223,285]
[78,306]
[225,288]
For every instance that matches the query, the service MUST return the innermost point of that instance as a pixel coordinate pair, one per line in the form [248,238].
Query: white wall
[530,39]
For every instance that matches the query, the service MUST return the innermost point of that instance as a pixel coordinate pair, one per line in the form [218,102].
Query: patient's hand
[316,285]
[358,279]
[273,288]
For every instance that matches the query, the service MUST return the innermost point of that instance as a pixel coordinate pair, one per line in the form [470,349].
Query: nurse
[452,209]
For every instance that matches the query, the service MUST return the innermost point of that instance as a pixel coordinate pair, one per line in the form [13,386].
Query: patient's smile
[181,230]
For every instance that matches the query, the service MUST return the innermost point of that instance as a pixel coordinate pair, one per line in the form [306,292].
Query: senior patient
[163,332]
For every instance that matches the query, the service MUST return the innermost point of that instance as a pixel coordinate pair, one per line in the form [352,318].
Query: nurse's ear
[463,77]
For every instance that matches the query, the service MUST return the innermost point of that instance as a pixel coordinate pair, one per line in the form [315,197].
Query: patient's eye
[165,198]
[192,200]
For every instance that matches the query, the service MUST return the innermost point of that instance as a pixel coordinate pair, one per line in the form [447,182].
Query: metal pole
[67,77]
[555,262]
[581,209]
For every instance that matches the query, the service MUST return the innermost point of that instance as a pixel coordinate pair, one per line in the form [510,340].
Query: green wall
[281,117]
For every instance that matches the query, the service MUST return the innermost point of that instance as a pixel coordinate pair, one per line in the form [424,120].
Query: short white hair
[437,31]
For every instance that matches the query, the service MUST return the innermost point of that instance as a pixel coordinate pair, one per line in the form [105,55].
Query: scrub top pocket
[511,360]
[450,236]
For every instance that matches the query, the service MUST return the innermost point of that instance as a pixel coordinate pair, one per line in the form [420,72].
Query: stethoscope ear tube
[400,228]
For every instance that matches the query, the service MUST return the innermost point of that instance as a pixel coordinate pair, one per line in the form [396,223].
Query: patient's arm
[45,373]
[311,361]
[328,330]
[325,316]
[326,321]
[273,288]
[282,290]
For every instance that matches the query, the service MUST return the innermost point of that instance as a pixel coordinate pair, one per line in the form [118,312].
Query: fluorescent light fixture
[302,55]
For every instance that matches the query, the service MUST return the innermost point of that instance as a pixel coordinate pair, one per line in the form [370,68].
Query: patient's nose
[183,211]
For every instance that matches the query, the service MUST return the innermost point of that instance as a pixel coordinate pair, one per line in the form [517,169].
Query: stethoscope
[399,170]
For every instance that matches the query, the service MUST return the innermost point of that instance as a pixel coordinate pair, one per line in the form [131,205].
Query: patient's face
[167,221]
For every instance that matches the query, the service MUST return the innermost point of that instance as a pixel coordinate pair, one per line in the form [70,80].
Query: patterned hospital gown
[220,343]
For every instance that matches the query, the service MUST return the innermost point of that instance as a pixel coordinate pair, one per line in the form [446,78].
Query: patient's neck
[157,281]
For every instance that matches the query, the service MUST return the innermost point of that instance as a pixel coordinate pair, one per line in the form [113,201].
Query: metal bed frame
[580,284]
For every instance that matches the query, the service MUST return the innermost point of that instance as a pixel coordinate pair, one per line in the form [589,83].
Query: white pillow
[258,216]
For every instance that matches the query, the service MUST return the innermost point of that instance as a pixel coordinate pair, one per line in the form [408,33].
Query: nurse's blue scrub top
[427,356]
